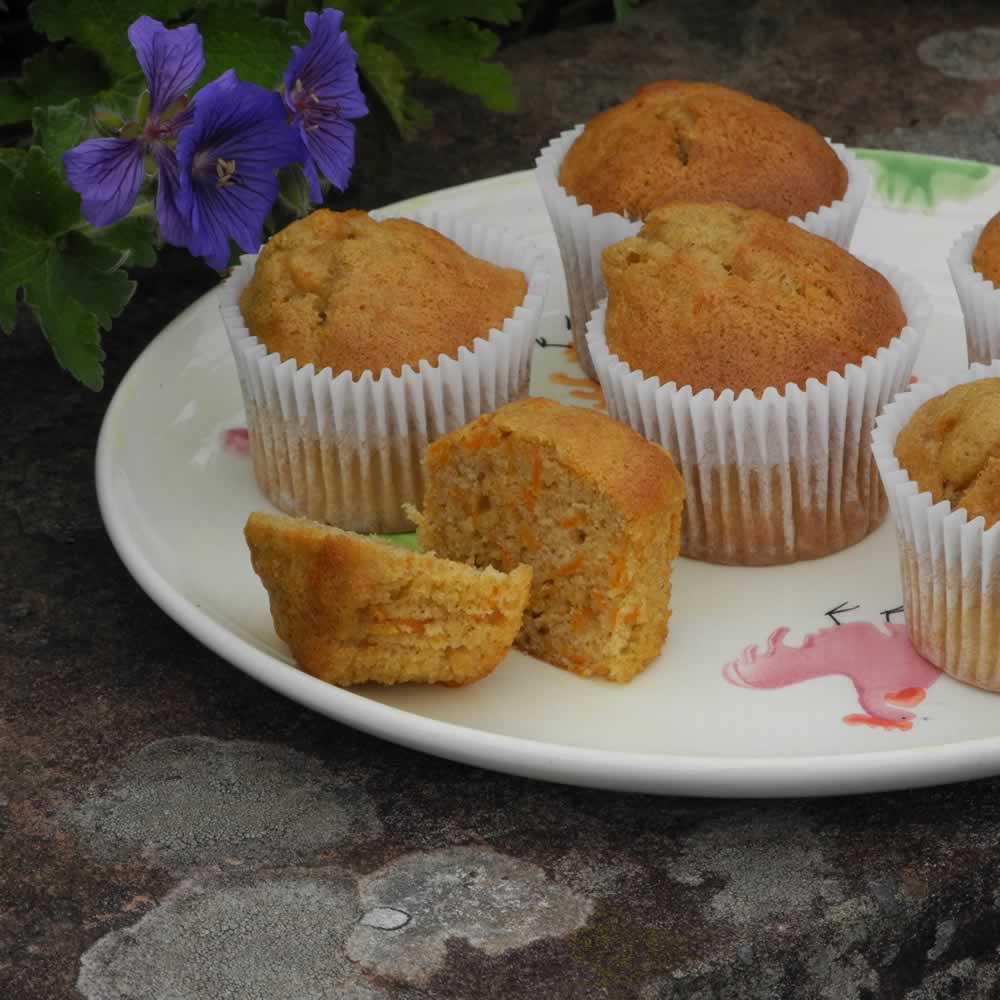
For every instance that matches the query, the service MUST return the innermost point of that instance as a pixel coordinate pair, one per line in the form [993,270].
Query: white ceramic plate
[855,710]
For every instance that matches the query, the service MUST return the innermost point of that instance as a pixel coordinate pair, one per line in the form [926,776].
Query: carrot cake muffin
[986,254]
[686,141]
[974,263]
[940,440]
[343,291]
[951,448]
[590,505]
[358,341]
[680,141]
[759,356]
[354,609]
[719,297]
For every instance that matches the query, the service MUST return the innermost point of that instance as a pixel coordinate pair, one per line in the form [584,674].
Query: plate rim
[698,775]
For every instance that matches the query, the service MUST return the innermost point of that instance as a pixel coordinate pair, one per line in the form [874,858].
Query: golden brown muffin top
[951,448]
[986,253]
[719,297]
[341,290]
[637,474]
[680,141]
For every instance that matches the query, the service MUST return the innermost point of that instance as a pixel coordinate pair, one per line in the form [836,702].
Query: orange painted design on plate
[875,723]
[581,388]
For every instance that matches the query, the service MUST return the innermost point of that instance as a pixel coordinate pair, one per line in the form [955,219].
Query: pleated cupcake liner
[779,477]
[979,299]
[582,235]
[950,565]
[347,449]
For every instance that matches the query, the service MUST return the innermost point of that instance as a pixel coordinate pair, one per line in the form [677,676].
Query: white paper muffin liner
[950,565]
[582,235]
[347,449]
[778,477]
[979,299]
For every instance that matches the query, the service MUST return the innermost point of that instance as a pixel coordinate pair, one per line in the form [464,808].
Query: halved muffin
[354,609]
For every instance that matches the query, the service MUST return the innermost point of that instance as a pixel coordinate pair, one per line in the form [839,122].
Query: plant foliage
[71,275]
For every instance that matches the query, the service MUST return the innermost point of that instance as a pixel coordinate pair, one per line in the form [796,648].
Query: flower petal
[172,60]
[107,174]
[210,224]
[331,148]
[312,179]
[327,67]
[228,158]
[174,224]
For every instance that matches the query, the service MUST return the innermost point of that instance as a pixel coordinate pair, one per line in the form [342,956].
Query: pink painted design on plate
[236,441]
[888,674]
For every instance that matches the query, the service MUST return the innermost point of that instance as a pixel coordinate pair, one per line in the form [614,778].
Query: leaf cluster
[73,277]
[396,41]
[442,40]
[70,276]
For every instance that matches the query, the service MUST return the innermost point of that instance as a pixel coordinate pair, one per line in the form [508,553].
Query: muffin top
[679,141]
[951,448]
[719,297]
[986,254]
[637,474]
[343,291]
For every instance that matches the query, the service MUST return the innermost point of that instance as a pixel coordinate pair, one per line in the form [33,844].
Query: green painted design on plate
[920,183]
[406,541]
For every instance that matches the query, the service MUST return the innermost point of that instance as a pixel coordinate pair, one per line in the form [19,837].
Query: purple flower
[227,160]
[107,173]
[322,93]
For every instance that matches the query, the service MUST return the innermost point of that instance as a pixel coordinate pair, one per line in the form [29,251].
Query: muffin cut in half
[590,505]
[355,609]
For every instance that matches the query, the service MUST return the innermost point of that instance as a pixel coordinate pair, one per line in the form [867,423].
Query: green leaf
[21,256]
[500,12]
[58,129]
[121,99]
[11,158]
[296,10]
[15,105]
[236,37]
[69,328]
[88,272]
[102,27]
[73,283]
[54,76]
[454,53]
[134,237]
[387,75]
[40,199]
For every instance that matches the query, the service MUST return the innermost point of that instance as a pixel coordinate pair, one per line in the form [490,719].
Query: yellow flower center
[225,171]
